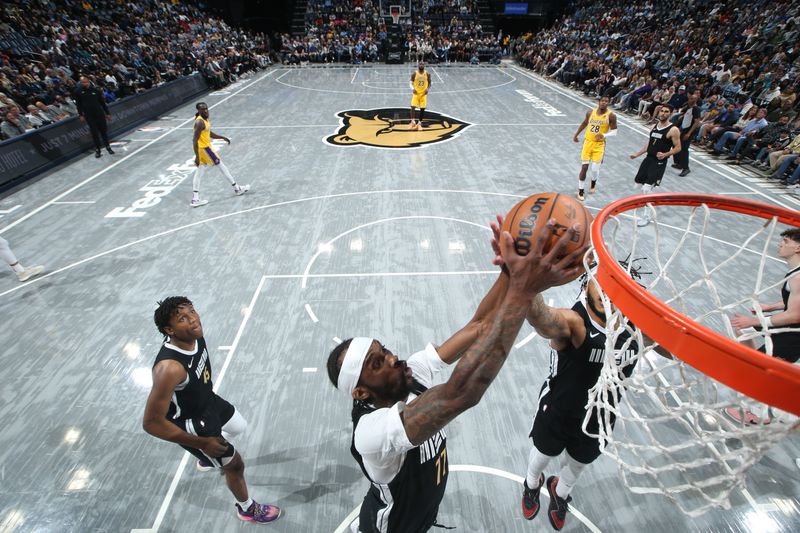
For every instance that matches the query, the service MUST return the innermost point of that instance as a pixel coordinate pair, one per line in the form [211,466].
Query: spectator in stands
[763,138]
[36,118]
[761,159]
[749,131]
[12,126]
[65,106]
[779,160]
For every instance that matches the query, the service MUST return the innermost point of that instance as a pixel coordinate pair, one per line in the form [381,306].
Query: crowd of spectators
[741,57]
[355,31]
[123,47]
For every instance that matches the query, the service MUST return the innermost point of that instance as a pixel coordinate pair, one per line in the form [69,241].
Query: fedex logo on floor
[155,190]
[538,103]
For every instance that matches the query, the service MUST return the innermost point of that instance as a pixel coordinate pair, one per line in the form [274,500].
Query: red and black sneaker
[557,511]
[530,499]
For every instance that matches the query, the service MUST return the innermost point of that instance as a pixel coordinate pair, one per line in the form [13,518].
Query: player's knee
[236,465]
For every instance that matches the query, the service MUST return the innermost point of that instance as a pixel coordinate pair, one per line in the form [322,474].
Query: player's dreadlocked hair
[333,361]
[628,265]
[166,310]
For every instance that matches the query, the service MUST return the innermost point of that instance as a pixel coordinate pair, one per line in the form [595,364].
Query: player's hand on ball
[538,271]
[214,446]
[496,236]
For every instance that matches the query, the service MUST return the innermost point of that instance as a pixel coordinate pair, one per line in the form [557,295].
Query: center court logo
[390,127]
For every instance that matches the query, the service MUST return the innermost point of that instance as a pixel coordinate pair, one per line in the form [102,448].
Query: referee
[93,110]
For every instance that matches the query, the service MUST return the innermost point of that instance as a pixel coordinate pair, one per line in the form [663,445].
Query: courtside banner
[38,150]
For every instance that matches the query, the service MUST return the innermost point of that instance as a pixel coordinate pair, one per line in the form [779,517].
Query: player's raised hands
[538,271]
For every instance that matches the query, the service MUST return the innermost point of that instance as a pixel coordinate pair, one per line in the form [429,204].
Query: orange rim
[767,379]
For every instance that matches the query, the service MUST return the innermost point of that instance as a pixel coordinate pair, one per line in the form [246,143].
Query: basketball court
[344,233]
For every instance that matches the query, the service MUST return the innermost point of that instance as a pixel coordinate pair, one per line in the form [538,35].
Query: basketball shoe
[241,189]
[593,187]
[30,272]
[203,466]
[197,202]
[747,417]
[580,196]
[530,499]
[259,513]
[557,511]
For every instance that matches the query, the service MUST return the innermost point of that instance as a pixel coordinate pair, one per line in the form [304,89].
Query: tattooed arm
[561,326]
[481,362]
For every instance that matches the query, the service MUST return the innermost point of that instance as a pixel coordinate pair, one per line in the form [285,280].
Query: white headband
[352,363]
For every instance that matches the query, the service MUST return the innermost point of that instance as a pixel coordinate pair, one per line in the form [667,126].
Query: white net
[676,430]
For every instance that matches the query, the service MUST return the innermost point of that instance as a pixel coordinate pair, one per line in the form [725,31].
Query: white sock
[17,267]
[569,476]
[245,505]
[537,461]
[198,173]
[595,172]
[7,255]
[226,173]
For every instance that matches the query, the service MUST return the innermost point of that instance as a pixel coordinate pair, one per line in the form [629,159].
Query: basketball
[529,216]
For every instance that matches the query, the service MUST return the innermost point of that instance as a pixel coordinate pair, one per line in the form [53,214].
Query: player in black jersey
[183,407]
[399,415]
[578,339]
[785,345]
[664,141]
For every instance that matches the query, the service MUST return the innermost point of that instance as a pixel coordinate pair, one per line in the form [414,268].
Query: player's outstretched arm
[528,275]
[220,137]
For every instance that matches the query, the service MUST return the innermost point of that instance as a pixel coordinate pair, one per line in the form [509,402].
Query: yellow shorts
[593,151]
[208,156]
[419,101]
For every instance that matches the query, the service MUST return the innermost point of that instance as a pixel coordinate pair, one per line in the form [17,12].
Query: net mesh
[672,429]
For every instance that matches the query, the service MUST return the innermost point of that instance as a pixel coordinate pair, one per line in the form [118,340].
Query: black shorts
[785,346]
[651,171]
[554,431]
[209,424]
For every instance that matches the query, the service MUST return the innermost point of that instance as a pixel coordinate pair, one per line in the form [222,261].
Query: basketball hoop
[394,12]
[672,436]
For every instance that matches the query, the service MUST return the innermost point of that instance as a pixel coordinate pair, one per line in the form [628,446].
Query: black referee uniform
[93,109]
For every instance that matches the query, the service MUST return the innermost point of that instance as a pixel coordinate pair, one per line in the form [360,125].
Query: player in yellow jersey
[599,124]
[204,155]
[420,85]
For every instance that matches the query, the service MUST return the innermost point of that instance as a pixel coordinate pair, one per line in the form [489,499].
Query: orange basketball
[528,217]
